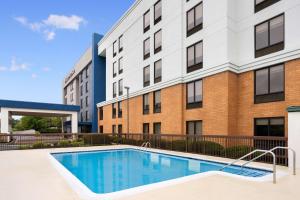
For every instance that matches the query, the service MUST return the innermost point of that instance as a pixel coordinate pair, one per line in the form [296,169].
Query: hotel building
[85,86]
[208,67]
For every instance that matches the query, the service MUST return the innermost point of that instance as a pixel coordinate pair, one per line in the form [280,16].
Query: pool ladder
[146,145]
[264,152]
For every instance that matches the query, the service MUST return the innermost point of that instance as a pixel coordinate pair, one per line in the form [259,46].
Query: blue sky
[41,40]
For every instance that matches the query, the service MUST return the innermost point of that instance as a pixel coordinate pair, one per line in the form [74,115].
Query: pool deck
[30,175]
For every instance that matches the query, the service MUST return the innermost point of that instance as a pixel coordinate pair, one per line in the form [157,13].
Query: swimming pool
[110,171]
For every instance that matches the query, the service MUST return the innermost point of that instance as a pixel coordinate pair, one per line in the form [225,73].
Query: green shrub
[237,151]
[97,139]
[64,143]
[38,145]
[179,145]
[208,148]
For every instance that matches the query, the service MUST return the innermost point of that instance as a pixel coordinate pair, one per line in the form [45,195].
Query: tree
[40,124]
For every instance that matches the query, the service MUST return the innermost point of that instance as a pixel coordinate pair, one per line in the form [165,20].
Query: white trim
[85,193]
[263,62]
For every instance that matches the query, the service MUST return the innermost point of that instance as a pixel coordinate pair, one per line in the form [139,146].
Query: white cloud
[3,68]
[49,35]
[15,66]
[49,26]
[46,69]
[34,76]
[64,22]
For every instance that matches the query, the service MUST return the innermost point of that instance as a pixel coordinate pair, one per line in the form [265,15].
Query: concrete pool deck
[29,174]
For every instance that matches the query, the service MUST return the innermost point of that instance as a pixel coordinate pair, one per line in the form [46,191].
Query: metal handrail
[255,151]
[287,148]
[146,145]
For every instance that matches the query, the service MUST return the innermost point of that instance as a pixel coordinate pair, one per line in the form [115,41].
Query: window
[72,86]
[86,115]
[114,111]
[269,36]
[261,4]
[86,101]
[146,48]
[157,41]
[157,102]
[72,97]
[87,87]
[120,87]
[101,113]
[120,131]
[194,128]
[120,112]
[115,48]
[101,129]
[145,131]
[81,103]
[146,76]
[81,90]
[194,19]
[121,65]
[157,128]
[81,116]
[157,71]
[146,108]
[195,57]
[115,69]
[80,78]
[114,89]
[87,72]
[269,84]
[194,94]
[147,21]
[121,43]
[273,127]
[157,12]
[114,129]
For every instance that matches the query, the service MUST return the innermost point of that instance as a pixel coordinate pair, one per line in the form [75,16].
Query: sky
[41,40]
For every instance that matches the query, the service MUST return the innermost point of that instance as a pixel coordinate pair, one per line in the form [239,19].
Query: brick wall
[228,105]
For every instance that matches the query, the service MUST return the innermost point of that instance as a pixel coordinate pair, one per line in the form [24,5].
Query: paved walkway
[29,175]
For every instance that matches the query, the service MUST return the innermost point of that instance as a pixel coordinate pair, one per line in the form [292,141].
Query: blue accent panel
[98,80]
[40,106]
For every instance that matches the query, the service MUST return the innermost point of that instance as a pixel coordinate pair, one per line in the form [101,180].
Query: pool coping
[85,193]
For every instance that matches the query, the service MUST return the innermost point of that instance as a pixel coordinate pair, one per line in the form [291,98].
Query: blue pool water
[115,170]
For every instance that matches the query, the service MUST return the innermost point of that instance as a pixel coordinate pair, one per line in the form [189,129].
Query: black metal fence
[212,145]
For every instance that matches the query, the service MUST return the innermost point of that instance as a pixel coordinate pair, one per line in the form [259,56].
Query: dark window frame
[114,110]
[101,113]
[196,28]
[270,97]
[121,47]
[194,104]
[87,101]
[148,54]
[157,49]
[194,122]
[114,89]
[114,50]
[101,129]
[120,110]
[156,107]
[87,87]
[120,70]
[114,70]
[154,124]
[146,83]
[270,48]
[87,115]
[120,89]
[157,20]
[146,108]
[148,27]
[146,133]
[157,79]
[263,5]
[269,120]
[196,66]
[120,129]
